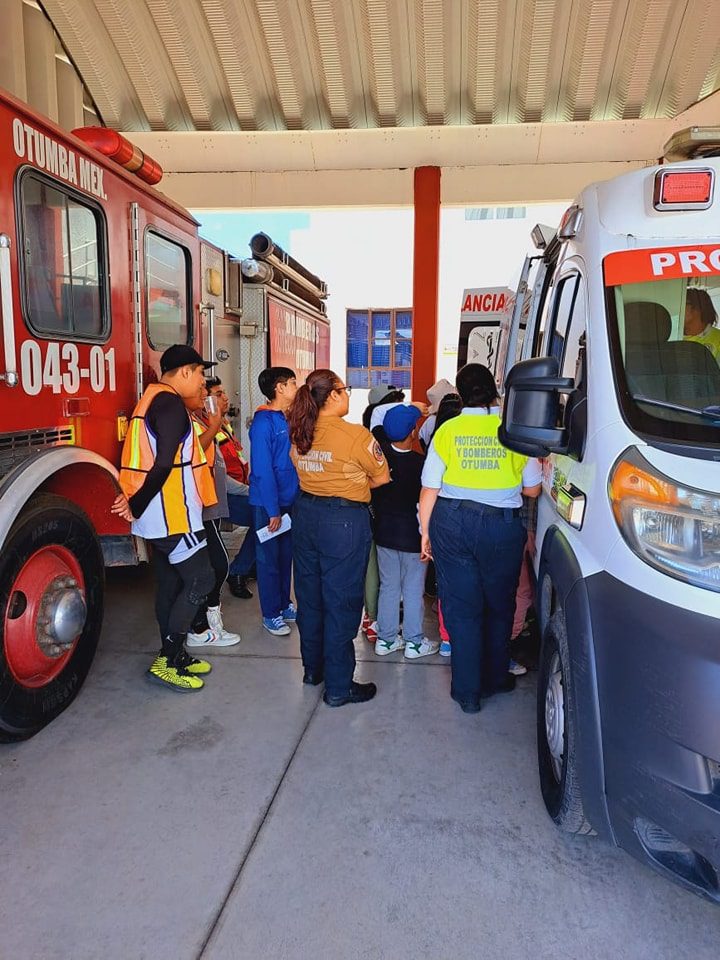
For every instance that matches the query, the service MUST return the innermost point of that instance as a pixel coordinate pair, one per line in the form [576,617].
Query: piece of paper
[264,534]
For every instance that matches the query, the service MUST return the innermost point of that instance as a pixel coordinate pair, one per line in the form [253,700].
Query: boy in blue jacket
[273,489]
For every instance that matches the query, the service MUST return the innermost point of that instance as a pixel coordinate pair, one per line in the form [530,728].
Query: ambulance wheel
[557,733]
[51,607]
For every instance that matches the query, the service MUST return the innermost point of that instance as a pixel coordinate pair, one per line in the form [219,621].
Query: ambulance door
[166,268]
[523,316]
[566,477]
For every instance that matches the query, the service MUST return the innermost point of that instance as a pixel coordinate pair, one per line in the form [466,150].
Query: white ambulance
[613,376]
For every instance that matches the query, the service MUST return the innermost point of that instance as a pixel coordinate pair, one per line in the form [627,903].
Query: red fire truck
[99,273]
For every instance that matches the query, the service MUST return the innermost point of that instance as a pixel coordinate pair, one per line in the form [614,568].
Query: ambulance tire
[48,522]
[557,733]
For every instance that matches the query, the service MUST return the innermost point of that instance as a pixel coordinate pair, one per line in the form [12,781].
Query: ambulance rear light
[683,189]
[118,148]
[570,223]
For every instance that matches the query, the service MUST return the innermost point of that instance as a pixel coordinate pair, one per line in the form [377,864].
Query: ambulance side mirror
[532,408]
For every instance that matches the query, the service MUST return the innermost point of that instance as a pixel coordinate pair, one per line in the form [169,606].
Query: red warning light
[118,148]
[683,189]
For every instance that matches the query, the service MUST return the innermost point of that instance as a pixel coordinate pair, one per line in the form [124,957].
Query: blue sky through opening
[232,231]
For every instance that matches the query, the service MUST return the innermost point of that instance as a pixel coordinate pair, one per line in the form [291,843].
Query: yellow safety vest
[473,456]
[200,429]
[710,339]
[171,511]
[228,441]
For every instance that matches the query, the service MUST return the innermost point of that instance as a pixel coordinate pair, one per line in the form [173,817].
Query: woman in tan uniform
[338,463]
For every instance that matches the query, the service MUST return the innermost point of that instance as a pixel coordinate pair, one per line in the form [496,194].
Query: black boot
[238,586]
[358,693]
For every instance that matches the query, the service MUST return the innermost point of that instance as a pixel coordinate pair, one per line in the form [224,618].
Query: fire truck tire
[51,572]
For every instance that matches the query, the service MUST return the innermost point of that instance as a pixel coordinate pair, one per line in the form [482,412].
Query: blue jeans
[331,543]
[402,577]
[274,565]
[241,513]
[477,556]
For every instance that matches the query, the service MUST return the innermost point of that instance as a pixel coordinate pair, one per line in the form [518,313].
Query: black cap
[180,355]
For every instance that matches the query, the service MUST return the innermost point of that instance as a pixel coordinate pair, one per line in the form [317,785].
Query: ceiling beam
[490,185]
[505,164]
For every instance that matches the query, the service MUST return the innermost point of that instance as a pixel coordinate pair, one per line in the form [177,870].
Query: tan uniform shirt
[342,459]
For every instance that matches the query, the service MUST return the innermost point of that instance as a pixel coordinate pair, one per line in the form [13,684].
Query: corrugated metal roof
[334,64]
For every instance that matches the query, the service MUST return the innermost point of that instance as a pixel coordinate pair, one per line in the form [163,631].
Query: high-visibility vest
[171,511]
[226,435]
[474,457]
[710,339]
[200,429]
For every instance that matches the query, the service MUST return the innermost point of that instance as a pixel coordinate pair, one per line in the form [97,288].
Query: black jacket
[394,505]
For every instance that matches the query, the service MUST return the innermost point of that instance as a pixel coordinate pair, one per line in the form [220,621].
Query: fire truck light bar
[126,154]
[683,189]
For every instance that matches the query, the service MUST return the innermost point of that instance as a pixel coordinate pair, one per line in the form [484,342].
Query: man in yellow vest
[166,482]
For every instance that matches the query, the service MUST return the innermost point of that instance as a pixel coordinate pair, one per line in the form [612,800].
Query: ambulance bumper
[658,676]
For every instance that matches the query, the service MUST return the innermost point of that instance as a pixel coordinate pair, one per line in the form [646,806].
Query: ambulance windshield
[667,352]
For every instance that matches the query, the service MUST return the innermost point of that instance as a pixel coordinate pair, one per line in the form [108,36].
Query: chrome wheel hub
[555,716]
[61,617]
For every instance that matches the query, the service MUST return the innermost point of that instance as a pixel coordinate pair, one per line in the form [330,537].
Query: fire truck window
[62,266]
[166,279]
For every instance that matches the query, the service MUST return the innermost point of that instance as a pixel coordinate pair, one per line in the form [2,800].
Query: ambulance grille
[16,447]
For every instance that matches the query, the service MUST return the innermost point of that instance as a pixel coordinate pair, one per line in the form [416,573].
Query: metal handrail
[8,321]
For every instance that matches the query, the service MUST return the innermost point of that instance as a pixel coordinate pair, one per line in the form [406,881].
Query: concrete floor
[251,821]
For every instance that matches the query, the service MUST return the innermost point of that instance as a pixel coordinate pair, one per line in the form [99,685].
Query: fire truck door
[166,271]
[69,342]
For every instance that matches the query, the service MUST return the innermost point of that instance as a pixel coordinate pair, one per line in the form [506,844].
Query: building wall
[366,258]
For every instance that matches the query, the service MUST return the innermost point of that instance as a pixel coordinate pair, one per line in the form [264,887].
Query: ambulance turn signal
[672,527]
[683,189]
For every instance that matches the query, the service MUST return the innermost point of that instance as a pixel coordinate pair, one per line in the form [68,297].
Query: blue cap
[400,420]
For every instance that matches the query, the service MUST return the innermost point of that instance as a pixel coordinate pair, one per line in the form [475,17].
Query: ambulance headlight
[674,528]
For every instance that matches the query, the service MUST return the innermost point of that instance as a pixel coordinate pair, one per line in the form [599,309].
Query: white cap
[437,391]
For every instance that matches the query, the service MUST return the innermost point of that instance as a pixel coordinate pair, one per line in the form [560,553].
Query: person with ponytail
[472,489]
[338,463]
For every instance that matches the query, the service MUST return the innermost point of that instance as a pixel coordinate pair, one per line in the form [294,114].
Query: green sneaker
[193,666]
[160,672]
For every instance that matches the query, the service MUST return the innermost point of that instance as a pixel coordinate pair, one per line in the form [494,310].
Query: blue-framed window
[379,347]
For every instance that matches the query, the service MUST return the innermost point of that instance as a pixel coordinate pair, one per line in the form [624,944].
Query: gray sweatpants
[402,577]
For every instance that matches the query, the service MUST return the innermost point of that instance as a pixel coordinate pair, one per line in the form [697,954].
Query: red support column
[426,264]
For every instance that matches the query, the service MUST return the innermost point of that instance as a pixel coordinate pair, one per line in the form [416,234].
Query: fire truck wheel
[556,732]
[51,607]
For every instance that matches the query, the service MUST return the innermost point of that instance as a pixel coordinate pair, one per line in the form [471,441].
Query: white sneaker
[426,648]
[208,638]
[516,669]
[384,647]
[215,622]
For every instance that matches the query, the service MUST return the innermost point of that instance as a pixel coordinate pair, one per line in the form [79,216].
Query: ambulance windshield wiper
[711,413]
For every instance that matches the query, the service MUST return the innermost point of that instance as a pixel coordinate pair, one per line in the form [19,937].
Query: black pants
[220,562]
[181,589]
